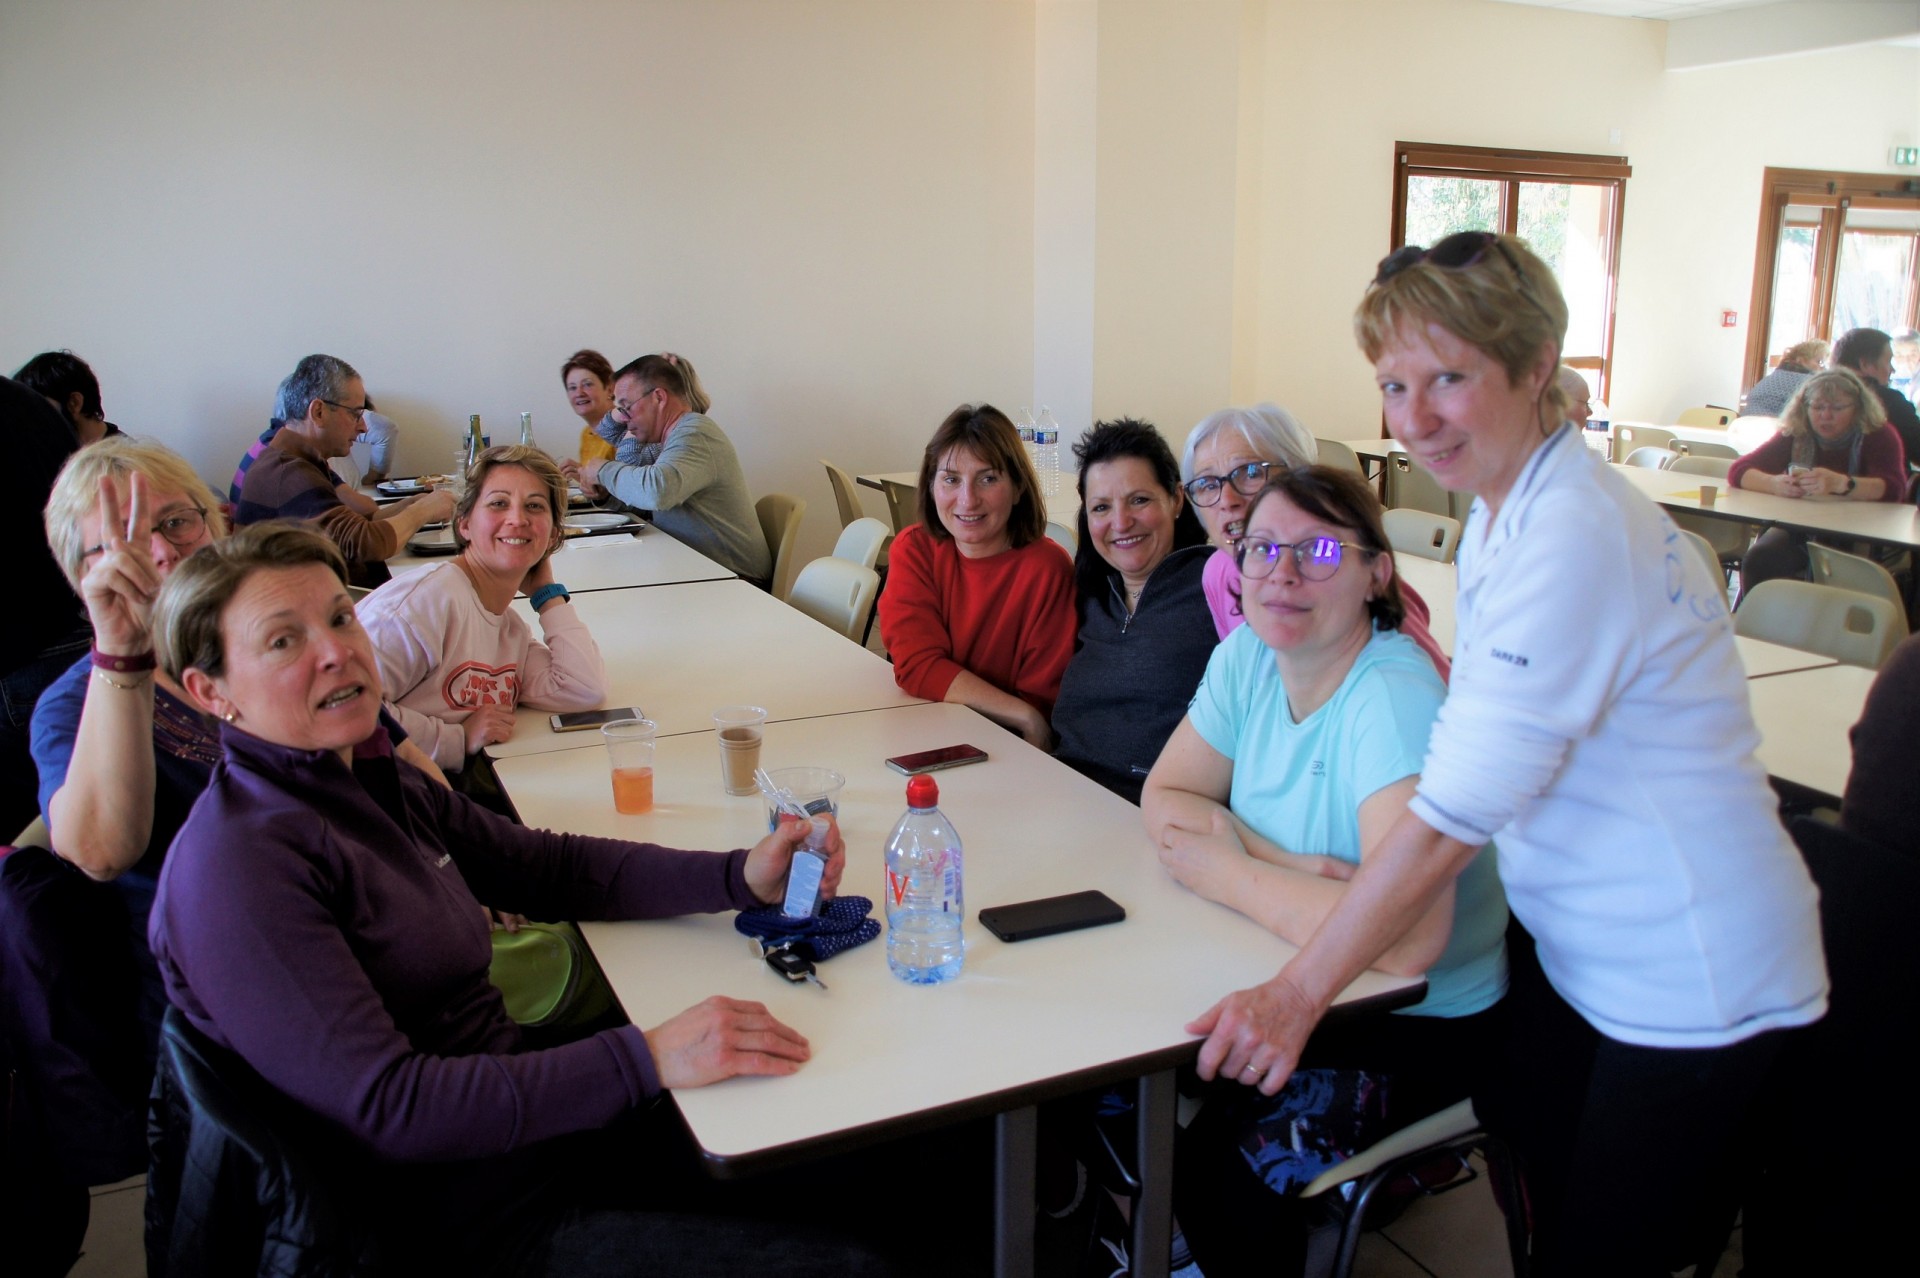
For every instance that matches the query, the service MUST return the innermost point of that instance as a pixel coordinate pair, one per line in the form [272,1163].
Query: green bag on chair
[551,982]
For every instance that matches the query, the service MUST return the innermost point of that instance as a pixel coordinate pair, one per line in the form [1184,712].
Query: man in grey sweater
[694,485]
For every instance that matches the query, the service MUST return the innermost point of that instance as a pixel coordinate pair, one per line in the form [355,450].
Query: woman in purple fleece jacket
[317,916]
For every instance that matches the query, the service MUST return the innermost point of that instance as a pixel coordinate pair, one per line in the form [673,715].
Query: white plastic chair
[1411,487]
[1067,539]
[780,517]
[1707,552]
[1456,1131]
[1422,533]
[1696,448]
[1842,571]
[1651,458]
[1334,453]
[1694,464]
[1856,629]
[862,542]
[1628,438]
[1709,415]
[837,593]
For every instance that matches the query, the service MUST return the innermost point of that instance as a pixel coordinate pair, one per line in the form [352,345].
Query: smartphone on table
[1050,915]
[953,756]
[591,720]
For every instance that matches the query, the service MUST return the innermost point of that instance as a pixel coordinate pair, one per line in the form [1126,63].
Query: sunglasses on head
[1457,252]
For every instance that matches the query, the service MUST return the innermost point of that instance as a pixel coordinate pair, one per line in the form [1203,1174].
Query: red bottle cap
[922,792]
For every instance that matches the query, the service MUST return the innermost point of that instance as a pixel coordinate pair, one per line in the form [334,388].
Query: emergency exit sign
[1906,155]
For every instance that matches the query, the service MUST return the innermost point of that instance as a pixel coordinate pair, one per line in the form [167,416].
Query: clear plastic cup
[740,731]
[630,750]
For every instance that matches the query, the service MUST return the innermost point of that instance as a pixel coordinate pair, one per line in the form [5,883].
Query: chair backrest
[863,541]
[1697,448]
[1855,572]
[1628,438]
[1708,415]
[846,494]
[903,506]
[1334,453]
[1410,487]
[1707,552]
[780,525]
[1651,458]
[837,593]
[1423,533]
[1063,535]
[1857,629]
[1717,467]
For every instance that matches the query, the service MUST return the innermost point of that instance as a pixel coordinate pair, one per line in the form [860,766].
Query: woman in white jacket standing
[1597,724]
[455,660]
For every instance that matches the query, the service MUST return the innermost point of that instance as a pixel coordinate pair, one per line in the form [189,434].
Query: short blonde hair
[76,492]
[195,595]
[1490,291]
[532,460]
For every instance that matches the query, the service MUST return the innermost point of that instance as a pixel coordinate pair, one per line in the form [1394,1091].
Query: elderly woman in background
[1228,458]
[121,751]
[455,659]
[1598,726]
[1301,749]
[317,918]
[1144,630]
[1833,443]
[588,379]
[978,607]
[1798,362]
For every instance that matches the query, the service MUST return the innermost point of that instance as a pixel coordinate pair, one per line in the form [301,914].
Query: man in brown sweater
[326,405]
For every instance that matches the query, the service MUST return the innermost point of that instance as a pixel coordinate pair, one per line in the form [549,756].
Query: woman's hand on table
[1255,1036]
[122,579]
[1204,860]
[1821,482]
[721,1038]
[487,725]
[767,860]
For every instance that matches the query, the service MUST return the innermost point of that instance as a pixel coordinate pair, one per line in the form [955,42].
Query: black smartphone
[587,720]
[954,756]
[1069,913]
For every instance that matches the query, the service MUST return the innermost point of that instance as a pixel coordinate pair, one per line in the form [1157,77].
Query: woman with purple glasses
[1597,725]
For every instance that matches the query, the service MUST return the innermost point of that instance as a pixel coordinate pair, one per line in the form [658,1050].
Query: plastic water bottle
[923,891]
[526,429]
[1046,446]
[1026,428]
[1600,428]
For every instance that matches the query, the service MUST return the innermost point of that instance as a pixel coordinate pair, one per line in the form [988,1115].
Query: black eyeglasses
[1457,252]
[1247,479]
[182,527]
[359,414]
[1315,559]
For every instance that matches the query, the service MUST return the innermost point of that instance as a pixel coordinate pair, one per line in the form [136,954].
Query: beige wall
[827,205]
[840,210]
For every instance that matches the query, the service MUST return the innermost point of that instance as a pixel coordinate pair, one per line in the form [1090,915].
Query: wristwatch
[1852,484]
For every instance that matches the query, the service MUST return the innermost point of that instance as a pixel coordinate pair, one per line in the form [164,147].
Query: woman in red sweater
[979,603]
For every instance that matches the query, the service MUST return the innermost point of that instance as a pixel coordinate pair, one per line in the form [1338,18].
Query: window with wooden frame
[1836,251]
[1566,206]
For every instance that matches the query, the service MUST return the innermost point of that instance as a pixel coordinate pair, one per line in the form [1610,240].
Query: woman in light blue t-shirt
[1300,749]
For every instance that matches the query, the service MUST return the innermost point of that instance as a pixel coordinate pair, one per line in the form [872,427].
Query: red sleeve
[1047,643]
[913,621]
[1884,457]
[1770,458]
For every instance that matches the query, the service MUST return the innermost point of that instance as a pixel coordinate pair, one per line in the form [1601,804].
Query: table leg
[1154,1110]
[1016,1153]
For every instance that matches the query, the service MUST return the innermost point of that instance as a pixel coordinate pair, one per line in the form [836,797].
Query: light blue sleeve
[1390,717]
[1219,707]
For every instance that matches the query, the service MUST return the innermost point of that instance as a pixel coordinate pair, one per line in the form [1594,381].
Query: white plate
[437,541]
[400,487]
[600,519]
